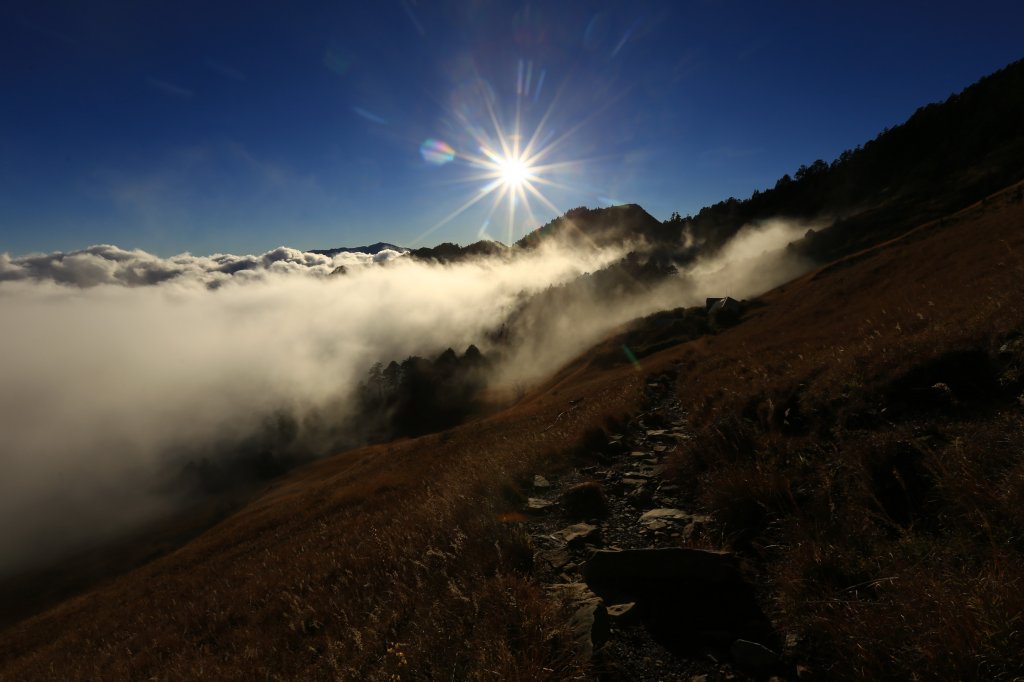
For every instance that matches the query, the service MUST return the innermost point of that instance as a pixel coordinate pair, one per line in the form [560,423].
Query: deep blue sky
[220,126]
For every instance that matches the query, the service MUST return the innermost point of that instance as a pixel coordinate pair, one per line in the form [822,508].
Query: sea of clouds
[118,364]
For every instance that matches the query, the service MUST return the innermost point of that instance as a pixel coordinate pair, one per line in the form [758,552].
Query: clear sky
[239,126]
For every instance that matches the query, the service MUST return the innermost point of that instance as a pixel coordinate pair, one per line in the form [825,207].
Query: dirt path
[623,502]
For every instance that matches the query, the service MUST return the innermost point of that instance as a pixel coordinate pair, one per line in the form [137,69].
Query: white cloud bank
[106,264]
[104,377]
[115,362]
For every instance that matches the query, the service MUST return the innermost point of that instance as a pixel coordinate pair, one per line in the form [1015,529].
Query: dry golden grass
[885,516]
[388,562]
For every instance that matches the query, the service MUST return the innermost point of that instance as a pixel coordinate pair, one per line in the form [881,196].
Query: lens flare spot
[437,152]
[631,356]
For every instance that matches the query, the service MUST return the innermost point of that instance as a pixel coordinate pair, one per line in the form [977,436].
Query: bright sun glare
[514,166]
[513,171]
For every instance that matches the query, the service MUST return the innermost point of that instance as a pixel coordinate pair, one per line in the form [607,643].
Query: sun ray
[515,161]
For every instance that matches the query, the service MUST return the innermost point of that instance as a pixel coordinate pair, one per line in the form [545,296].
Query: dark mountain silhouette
[448,252]
[946,156]
[602,226]
[372,249]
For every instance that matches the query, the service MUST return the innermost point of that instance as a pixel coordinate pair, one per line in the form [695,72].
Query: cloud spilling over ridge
[106,264]
[551,332]
[119,366]
[755,260]
[106,382]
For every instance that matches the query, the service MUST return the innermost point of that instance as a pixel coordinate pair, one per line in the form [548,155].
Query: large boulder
[627,566]
[689,599]
[579,534]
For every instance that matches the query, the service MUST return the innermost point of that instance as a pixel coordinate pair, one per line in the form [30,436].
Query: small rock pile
[611,542]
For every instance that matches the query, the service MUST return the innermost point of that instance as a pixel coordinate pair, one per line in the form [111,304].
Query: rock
[677,515]
[752,657]
[541,482]
[640,498]
[585,501]
[539,505]
[615,447]
[633,482]
[1011,348]
[638,453]
[589,620]
[669,563]
[943,395]
[624,614]
[651,433]
[555,558]
[578,534]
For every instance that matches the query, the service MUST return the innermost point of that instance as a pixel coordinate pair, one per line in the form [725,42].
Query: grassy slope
[887,518]
[324,575]
[393,559]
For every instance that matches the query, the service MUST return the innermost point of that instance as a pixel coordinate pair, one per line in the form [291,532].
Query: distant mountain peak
[599,225]
[372,249]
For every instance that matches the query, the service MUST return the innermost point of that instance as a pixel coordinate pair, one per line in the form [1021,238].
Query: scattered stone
[541,482]
[624,614]
[578,534]
[589,621]
[539,505]
[556,558]
[658,519]
[1011,348]
[752,657]
[942,395]
[633,482]
[652,433]
[640,498]
[585,501]
[615,446]
[638,453]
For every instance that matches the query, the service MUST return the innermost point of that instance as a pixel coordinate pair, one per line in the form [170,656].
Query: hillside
[819,445]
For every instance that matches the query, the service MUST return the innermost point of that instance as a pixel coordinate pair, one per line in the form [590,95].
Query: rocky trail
[647,598]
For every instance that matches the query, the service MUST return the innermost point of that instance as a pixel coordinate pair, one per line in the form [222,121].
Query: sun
[514,165]
[513,171]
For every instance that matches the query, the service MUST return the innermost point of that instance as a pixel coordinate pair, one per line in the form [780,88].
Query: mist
[120,366]
[549,333]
